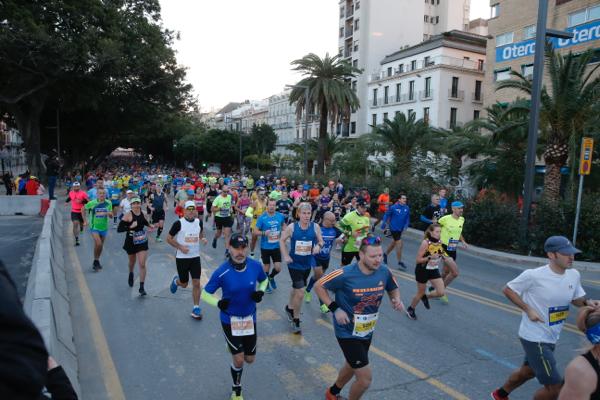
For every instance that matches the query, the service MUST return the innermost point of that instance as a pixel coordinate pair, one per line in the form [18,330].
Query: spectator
[32,186]
[52,168]
[7,179]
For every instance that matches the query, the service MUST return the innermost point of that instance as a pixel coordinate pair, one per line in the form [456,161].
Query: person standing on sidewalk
[544,295]
[398,216]
[52,169]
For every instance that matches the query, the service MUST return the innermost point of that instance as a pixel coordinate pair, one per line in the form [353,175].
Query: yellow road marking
[291,381]
[591,282]
[485,301]
[283,339]
[410,369]
[108,371]
[325,372]
[268,314]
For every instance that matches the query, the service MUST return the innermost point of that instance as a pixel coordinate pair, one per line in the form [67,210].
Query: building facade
[371,29]
[513,26]
[439,80]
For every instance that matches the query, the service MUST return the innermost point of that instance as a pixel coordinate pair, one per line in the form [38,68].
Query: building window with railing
[428,87]
[480,64]
[426,115]
[355,45]
[476,114]
[341,33]
[453,112]
[398,91]
[386,92]
[352,127]
[341,12]
[411,90]
[413,65]
[385,117]
[389,71]
[454,90]
[374,120]
[354,86]
[410,112]
[374,97]
[477,94]
[357,5]
[356,24]
[400,68]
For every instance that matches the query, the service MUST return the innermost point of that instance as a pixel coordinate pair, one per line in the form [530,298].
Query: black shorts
[323,263]
[267,255]
[76,217]
[131,248]
[238,344]
[396,235]
[223,222]
[187,267]
[424,275]
[450,253]
[299,277]
[158,215]
[348,256]
[356,351]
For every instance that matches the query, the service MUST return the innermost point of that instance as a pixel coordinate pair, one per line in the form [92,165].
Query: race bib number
[242,326]
[225,211]
[433,264]
[557,315]
[452,243]
[273,235]
[115,196]
[303,248]
[191,238]
[199,203]
[139,237]
[364,324]
[100,213]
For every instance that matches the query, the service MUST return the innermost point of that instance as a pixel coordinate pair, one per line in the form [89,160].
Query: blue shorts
[100,233]
[540,358]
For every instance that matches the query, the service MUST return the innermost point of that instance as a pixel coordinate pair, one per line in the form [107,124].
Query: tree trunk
[404,164]
[555,156]
[322,154]
[27,114]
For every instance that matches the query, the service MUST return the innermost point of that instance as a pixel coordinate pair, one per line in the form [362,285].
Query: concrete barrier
[21,205]
[47,298]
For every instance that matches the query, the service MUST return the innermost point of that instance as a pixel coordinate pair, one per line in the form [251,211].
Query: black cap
[361,202]
[238,240]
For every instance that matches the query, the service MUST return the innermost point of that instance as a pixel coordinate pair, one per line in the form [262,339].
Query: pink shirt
[295,194]
[77,199]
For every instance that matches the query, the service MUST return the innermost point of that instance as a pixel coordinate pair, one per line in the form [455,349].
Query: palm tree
[333,145]
[402,136]
[457,143]
[330,94]
[565,107]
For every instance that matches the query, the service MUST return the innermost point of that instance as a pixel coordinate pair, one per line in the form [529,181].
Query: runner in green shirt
[98,212]
[452,226]
[222,209]
[355,226]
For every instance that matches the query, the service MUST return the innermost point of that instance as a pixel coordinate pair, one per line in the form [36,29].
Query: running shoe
[142,292]
[296,327]
[401,266]
[76,241]
[324,309]
[329,396]
[158,239]
[252,254]
[214,243]
[496,396]
[410,313]
[226,253]
[173,286]
[272,283]
[307,297]
[236,397]
[444,299]
[425,301]
[384,258]
[196,313]
[130,279]
[430,289]
[268,289]
[96,266]
[289,313]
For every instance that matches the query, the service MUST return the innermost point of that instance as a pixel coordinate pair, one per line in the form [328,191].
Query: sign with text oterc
[581,34]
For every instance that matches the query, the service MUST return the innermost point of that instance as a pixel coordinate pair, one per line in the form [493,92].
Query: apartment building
[513,27]
[371,29]
[439,80]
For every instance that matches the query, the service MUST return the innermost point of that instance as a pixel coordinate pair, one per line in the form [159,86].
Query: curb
[47,299]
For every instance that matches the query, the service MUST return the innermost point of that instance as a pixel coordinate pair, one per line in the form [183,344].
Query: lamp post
[538,73]
[305,135]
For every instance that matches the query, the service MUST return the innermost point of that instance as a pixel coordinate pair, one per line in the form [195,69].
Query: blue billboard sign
[581,34]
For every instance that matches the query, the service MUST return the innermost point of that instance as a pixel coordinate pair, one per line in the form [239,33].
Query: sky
[236,50]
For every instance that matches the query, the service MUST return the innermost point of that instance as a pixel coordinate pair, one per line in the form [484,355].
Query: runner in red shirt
[77,198]
[383,201]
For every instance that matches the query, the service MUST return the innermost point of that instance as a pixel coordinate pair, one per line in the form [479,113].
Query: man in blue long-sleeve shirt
[398,217]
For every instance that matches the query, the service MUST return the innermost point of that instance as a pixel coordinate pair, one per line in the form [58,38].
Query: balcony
[477,97]
[350,12]
[348,52]
[349,30]
[426,95]
[454,124]
[458,95]
[432,62]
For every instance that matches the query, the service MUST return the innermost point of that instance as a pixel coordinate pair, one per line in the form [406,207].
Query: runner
[136,241]
[258,207]
[114,193]
[432,212]
[126,203]
[222,206]
[93,192]
[243,222]
[100,210]
[398,216]
[157,202]
[211,195]
[544,294]
[429,256]
[77,198]
[238,278]
[355,226]
[383,203]
[324,204]
[185,235]
[305,241]
[582,375]
[355,313]
[452,226]
[329,233]
[269,227]
[284,206]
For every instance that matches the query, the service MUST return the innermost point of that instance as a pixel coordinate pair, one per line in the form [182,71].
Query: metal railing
[426,94]
[477,97]
[472,65]
[456,94]
[454,124]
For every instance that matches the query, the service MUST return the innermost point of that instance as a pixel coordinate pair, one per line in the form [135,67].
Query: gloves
[257,296]
[223,304]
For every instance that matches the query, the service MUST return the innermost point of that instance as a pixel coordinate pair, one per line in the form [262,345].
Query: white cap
[129,191]
[76,184]
[190,204]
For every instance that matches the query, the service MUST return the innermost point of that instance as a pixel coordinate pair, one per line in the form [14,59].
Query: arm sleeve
[424,219]
[209,298]
[521,283]
[175,228]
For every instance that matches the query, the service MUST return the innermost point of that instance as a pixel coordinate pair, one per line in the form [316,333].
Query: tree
[565,107]
[403,137]
[263,139]
[456,143]
[330,94]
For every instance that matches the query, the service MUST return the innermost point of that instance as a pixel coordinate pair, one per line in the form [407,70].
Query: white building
[370,29]
[439,80]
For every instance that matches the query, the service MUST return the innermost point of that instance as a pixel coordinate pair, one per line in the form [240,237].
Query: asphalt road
[150,348]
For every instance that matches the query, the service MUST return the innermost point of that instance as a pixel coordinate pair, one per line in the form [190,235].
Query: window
[426,115]
[355,63]
[341,32]
[495,10]
[357,5]
[385,116]
[502,74]
[437,19]
[504,39]
[354,86]
[427,62]
[480,64]
[396,114]
[374,97]
[389,71]
[529,32]
[386,91]
[527,70]
[413,65]
[576,18]
[454,90]
[593,13]
[410,112]
[428,87]
[426,18]
[476,114]
[453,112]
[341,12]
[411,90]
[353,127]
[398,91]
[356,24]
[477,94]
[356,45]
[341,52]
[374,120]
[400,68]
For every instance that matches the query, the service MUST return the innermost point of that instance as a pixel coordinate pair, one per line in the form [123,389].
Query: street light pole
[305,135]
[58,131]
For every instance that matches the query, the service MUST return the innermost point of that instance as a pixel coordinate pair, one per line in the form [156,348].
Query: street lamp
[538,73]
[305,135]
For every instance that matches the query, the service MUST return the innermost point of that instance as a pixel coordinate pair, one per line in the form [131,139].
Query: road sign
[585,160]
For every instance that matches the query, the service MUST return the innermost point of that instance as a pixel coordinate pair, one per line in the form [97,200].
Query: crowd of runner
[301,224]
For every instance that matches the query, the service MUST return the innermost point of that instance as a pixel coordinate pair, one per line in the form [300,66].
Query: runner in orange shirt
[383,202]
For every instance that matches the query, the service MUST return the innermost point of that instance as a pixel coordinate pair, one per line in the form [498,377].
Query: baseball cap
[135,200]
[190,192]
[238,240]
[190,204]
[458,204]
[560,244]
[361,202]
[76,184]
[129,191]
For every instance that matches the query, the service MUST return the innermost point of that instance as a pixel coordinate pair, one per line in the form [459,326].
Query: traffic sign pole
[585,167]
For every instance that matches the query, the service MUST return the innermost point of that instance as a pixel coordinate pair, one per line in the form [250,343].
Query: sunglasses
[371,241]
